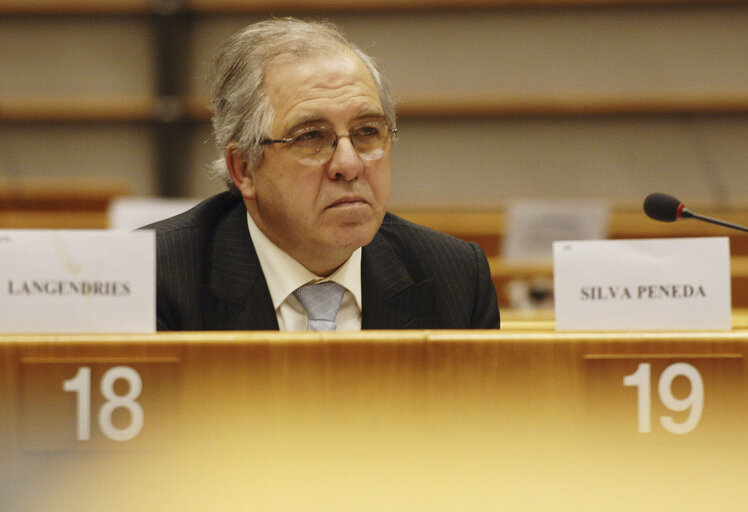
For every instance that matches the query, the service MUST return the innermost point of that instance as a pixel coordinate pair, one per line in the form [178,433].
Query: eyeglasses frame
[288,140]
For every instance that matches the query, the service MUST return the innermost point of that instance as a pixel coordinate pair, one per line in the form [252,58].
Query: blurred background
[498,100]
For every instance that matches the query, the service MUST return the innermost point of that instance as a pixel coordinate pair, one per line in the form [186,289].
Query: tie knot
[321,301]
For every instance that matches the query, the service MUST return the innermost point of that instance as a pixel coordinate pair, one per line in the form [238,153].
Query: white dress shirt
[284,274]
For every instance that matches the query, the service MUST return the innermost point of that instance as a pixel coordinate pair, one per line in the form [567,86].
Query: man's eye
[367,131]
[310,136]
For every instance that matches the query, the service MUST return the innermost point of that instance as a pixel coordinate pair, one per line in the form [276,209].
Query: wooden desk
[55,204]
[544,320]
[488,229]
[412,420]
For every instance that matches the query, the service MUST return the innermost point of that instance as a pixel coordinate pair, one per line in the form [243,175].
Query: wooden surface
[503,272]
[523,419]
[542,319]
[245,6]
[488,229]
[142,108]
[58,204]
[85,206]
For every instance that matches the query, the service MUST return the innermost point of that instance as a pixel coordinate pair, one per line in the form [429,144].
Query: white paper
[534,224]
[77,281]
[654,284]
[136,212]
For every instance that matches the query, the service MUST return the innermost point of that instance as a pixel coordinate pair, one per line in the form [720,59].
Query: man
[305,122]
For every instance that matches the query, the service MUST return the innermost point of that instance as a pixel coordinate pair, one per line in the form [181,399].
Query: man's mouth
[347,201]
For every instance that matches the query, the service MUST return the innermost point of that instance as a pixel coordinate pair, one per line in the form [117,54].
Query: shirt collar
[284,274]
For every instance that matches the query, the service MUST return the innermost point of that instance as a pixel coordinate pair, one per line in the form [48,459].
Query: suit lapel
[235,294]
[392,299]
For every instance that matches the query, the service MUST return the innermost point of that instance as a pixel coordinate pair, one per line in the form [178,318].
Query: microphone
[666,208]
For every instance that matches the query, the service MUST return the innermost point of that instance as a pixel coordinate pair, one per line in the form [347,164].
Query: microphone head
[662,207]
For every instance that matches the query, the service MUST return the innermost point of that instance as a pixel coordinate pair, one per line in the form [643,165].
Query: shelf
[151,109]
[76,6]
[280,6]
[239,6]
[574,104]
[59,195]
[78,109]
[58,203]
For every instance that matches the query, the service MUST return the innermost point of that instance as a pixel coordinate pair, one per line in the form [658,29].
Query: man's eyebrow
[307,121]
[321,121]
[370,115]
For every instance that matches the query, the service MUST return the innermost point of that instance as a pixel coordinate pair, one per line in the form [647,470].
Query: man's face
[319,213]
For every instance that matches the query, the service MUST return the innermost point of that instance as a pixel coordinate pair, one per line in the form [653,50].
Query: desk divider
[379,420]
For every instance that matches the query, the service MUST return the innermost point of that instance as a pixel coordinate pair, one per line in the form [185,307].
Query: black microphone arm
[666,208]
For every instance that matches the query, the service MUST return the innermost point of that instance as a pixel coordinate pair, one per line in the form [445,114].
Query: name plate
[534,224]
[75,281]
[659,284]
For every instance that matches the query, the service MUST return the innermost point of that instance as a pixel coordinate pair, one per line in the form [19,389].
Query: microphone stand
[688,214]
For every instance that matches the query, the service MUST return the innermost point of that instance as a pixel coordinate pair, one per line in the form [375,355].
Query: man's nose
[345,160]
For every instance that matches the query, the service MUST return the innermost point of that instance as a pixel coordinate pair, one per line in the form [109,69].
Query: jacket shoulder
[206,213]
[457,271]
[183,259]
[408,234]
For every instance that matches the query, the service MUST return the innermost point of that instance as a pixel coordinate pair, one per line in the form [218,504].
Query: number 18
[81,385]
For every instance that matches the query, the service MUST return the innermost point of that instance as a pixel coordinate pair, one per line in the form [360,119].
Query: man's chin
[354,235]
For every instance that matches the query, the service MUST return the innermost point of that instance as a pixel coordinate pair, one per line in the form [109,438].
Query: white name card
[65,281]
[658,284]
[534,224]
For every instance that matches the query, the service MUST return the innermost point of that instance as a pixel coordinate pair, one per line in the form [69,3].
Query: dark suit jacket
[209,277]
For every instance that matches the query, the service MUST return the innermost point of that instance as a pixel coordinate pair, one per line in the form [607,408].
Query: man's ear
[236,161]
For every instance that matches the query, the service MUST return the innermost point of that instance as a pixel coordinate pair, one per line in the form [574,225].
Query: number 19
[641,379]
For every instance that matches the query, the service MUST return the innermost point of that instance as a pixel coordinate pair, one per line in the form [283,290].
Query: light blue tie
[321,301]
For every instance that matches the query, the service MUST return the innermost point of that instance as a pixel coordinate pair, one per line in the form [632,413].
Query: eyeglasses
[316,144]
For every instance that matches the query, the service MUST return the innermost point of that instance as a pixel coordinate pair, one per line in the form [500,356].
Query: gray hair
[242,113]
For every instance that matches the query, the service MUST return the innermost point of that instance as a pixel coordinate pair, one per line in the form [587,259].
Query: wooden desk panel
[413,420]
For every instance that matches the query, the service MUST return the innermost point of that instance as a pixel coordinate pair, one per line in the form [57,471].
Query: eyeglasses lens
[317,145]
